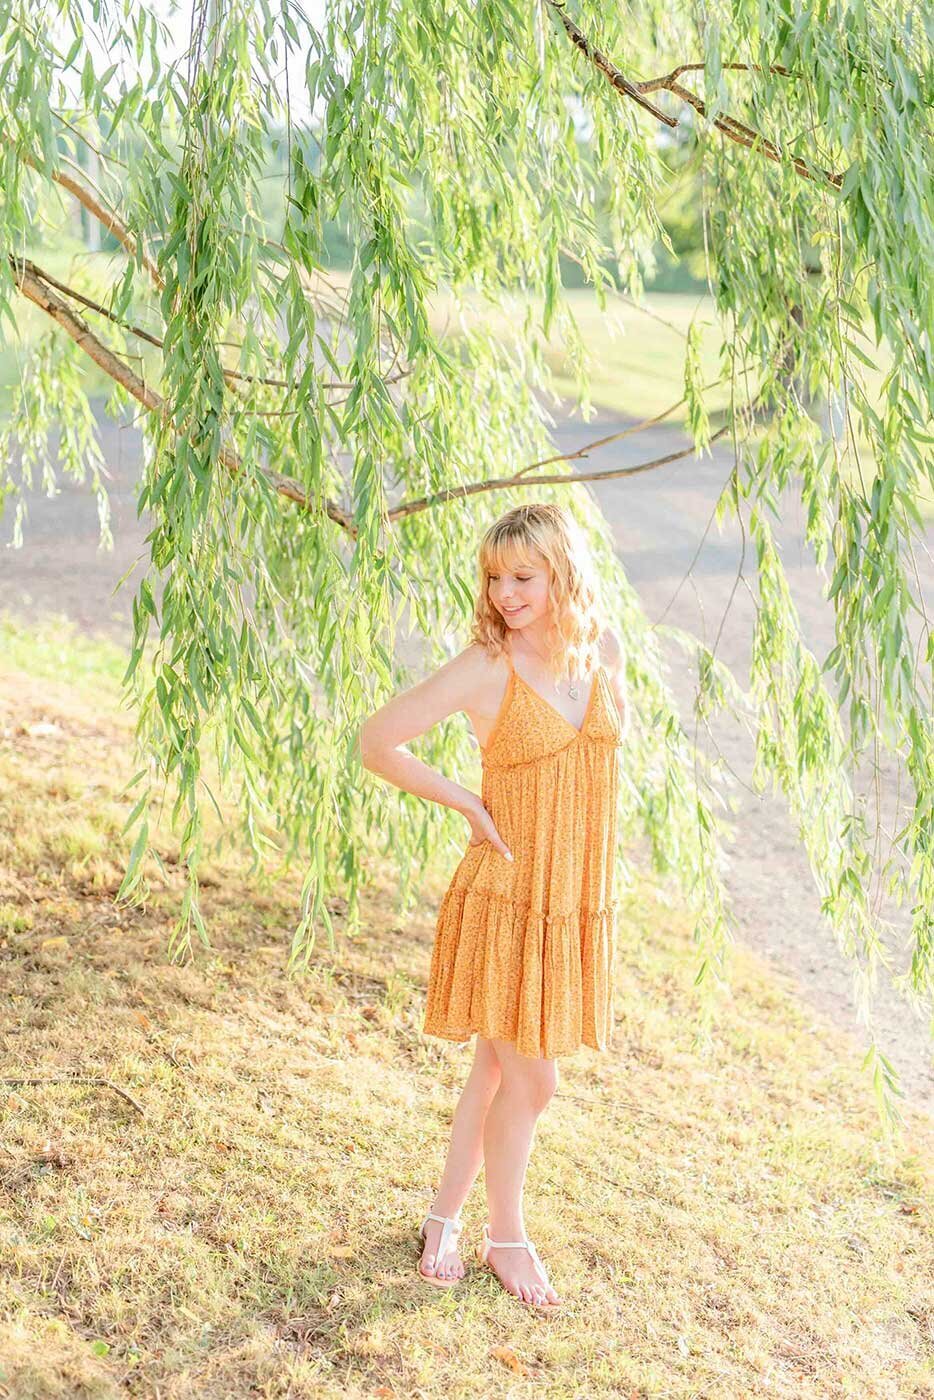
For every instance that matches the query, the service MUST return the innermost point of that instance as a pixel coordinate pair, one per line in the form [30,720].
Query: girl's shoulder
[611,649]
[613,659]
[475,669]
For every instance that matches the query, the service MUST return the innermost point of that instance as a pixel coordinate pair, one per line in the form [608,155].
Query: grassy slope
[636,354]
[723,1227]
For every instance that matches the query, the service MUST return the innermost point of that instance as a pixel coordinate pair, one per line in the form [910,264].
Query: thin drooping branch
[729,126]
[610,71]
[654,84]
[745,414]
[629,431]
[86,140]
[106,217]
[437,498]
[746,135]
[109,220]
[32,283]
[92,305]
[151,339]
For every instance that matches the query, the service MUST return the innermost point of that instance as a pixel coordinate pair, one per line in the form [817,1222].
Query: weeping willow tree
[319,458]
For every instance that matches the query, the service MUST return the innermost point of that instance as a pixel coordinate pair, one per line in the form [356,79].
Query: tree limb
[629,431]
[736,131]
[552,479]
[746,135]
[611,72]
[151,339]
[105,216]
[31,281]
[653,84]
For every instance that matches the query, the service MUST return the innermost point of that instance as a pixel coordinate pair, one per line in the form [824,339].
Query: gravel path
[658,519]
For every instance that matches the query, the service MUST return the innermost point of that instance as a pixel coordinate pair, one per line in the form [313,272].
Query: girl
[523,948]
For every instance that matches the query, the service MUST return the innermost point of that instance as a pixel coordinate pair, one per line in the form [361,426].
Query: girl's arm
[614,666]
[382,737]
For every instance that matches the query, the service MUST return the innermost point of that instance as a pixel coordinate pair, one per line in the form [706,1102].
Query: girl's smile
[523,593]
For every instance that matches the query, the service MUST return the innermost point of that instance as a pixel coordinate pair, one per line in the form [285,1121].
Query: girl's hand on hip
[483,828]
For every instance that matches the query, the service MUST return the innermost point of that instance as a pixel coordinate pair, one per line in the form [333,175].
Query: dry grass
[244,1223]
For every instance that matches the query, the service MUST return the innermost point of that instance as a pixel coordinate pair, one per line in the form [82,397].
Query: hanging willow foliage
[319,462]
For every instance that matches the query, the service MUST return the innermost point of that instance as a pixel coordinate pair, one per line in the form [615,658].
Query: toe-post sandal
[486,1244]
[451,1227]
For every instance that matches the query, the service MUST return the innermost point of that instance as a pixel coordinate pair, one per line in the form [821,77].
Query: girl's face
[521,596]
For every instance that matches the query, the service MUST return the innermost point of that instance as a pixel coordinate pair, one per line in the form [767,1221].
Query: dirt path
[659,519]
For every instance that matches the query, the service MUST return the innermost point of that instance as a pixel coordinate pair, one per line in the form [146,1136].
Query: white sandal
[450,1229]
[486,1244]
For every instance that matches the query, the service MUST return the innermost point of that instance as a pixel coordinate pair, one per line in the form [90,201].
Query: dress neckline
[554,709]
[514,676]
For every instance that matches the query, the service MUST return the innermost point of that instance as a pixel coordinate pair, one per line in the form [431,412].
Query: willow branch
[109,221]
[613,75]
[550,479]
[747,135]
[629,431]
[32,284]
[86,140]
[106,217]
[92,305]
[653,84]
[151,339]
[735,130]
[744,414]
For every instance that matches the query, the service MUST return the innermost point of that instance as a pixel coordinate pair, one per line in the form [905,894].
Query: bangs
[506,555]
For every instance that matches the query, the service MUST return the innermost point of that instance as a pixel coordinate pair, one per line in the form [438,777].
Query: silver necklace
[574,689]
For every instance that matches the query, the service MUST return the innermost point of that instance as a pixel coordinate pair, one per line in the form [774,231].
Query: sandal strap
[450,1229]
[488,1244]
[505,1244]
[453,1220]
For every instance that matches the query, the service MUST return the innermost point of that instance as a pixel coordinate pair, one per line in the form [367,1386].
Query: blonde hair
[574,624]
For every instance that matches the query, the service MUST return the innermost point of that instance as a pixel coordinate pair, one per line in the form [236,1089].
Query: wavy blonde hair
[575,623]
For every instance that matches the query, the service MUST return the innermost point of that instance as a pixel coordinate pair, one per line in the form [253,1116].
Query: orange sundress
[523,949]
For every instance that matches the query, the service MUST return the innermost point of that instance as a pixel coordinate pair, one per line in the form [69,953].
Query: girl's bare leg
[465,1156]
[526,1087]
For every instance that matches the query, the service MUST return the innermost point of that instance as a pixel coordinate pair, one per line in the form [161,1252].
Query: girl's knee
[536,1081]
[533,1080]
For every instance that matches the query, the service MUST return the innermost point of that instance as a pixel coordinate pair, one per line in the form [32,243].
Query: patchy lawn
[214,1186]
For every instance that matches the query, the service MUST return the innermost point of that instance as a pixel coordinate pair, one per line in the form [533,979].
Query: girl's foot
[517,1265]
[450,1266]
